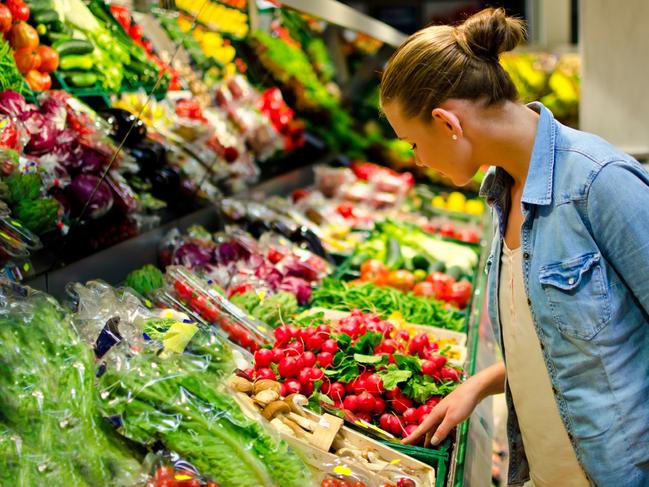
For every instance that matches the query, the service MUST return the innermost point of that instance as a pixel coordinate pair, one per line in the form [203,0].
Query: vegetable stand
[337,282]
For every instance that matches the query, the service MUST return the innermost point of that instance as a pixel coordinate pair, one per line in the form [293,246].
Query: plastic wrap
[178,401]
[51,432]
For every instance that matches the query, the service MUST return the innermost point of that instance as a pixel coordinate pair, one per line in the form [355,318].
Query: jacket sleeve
[618,212]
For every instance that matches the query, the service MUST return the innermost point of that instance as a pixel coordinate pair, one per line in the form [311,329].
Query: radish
[337,391]
[250,372]
[263,357]
[278,354]
[396,426]
[366,402]
[288,367]
[316,374]
[410,416]
[325,387]
[428,368]
[266,374]
[408,430]
[393,393]
[374,384]
[282,335]
[307,389]
[330,346]
[379,406]
[364,416]
[385,421]
[400,403]
[449,373]
[325,359]
[438,360]
[304,376]
[351,403]
[295,348]
[314,343]
[309,359]
[292,387]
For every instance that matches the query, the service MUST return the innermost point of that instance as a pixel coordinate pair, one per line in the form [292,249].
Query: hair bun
[489,33]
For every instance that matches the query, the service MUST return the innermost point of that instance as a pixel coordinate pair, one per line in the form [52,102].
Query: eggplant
[125,126]
[150,155]
[165,183]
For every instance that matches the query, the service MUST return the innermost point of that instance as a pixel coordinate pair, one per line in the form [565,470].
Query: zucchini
[73,46]
[55,37]
[44,17]
[80,79]
[394,259]
[35,5]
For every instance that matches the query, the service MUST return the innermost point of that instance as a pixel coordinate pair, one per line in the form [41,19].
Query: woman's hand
[459,404]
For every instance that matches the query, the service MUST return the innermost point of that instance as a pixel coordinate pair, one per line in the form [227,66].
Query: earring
[454,137]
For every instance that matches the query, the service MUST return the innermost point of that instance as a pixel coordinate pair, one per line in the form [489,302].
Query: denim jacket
[585,244]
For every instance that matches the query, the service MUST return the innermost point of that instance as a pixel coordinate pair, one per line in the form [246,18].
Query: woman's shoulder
[579,159]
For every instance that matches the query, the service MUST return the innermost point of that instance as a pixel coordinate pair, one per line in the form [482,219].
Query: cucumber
[73,46]
[420,262]
[44,17]
[438,266]
[394,259]
[35,5]
[455,272]
[55,37]
[80,79]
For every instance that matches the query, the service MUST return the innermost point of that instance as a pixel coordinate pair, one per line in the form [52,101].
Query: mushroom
[296,402]
[240,384]
[265,397]
[275,408]
[264,384]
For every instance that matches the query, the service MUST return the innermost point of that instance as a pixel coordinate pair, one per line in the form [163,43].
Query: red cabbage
[14,104]
[297,286]
[227,252]
[81,189]
[43,135]
[54,111]
[296,268]
[192,255]
[272,276]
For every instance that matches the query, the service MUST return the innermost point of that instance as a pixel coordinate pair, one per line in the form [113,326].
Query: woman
[569,267]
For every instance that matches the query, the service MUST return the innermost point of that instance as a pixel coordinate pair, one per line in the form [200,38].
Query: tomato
[164,472]
[309,359]
[406,482]
[346,210]
[425,289]
[5,19]
[374,270]
[49,59]
[136,32]
[468,235]
[351,403]
[122,15]
[366,402]
[460,293]
[325,359]
[288,367]
[447,229]
[23,35]
[241,289]
[19,10]
[336,391]
[441,284]
[27,59]
[402,280]
[330,346]
[38,81]
[298,194]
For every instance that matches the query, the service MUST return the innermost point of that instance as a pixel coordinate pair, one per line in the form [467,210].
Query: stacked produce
[218,17]
[34,61]
[362,364]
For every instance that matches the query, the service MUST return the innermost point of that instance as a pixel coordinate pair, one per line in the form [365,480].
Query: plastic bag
[51,432]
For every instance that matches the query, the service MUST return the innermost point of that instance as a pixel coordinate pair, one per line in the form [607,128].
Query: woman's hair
[442,62]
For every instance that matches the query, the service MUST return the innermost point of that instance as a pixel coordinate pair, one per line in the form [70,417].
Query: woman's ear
[449,121]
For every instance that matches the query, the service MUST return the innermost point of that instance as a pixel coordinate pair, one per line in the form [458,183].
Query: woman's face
[433,144]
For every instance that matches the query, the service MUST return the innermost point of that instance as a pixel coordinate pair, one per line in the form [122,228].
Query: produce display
[293,340]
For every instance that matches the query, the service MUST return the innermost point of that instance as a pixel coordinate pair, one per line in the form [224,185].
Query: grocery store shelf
[337,13]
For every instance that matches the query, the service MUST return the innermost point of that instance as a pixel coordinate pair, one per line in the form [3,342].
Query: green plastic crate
[437,458]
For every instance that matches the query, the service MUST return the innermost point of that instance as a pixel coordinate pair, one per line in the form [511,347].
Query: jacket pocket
[577,292]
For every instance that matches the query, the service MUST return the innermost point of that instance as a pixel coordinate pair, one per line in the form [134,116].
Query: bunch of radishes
[299,356]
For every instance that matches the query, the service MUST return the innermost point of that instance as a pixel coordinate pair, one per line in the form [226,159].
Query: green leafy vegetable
[145,280]
[392,376]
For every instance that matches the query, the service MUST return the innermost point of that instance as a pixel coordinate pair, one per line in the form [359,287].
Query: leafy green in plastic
[145,280]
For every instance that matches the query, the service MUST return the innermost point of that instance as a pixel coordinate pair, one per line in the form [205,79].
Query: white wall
[614,43]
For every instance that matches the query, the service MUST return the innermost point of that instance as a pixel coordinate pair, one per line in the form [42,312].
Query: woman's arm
[460,403]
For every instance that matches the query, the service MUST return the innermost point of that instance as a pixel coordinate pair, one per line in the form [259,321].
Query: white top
[551,457]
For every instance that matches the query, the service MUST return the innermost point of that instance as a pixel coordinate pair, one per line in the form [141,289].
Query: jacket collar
[538,186]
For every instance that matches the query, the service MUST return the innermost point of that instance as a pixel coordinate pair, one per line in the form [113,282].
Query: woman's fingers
[435,417]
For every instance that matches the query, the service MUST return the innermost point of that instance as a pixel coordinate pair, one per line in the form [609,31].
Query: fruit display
[551,79]
[218,17]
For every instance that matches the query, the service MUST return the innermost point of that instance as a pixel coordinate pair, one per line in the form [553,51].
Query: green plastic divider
[438,458]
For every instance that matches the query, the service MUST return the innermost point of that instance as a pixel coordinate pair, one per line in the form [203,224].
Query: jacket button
[526,255]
